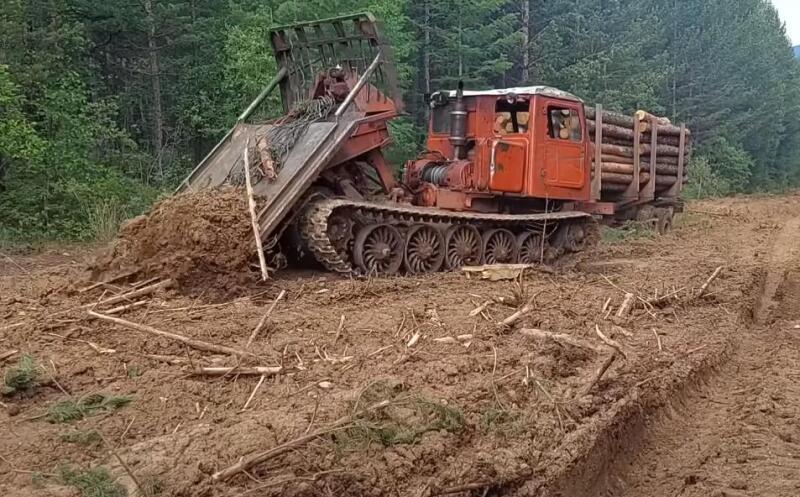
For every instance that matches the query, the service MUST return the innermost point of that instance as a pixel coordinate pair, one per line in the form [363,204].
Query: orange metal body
[528,164]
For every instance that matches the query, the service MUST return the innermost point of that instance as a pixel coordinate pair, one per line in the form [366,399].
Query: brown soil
[500,411]
[202,240]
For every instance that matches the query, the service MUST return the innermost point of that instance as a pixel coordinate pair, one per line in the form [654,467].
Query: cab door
[564,149]
[509,147]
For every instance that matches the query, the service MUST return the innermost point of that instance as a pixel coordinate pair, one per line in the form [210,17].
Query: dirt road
[703,399]
[737,433]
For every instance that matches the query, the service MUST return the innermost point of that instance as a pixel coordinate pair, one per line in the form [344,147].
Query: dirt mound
[200,239]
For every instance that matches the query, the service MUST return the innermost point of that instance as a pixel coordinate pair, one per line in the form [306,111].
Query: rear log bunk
[620,149]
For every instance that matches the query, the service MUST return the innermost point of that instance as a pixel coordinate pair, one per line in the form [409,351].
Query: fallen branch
[146,290]
[264,318]
[251,205]
[106,282]
[658,340]
[560,338]
[7,354]
[598,374]
[708,282]
[525,309]
[167,359]
[248,462]
[627,304]
[123,308]
[611,343]
[236,370]
[253,393]
[195,344]
[480,309]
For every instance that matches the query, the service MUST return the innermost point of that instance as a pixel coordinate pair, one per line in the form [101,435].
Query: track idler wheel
[425,250]
[464,246]
[499,247]
[529,248]
[378,249]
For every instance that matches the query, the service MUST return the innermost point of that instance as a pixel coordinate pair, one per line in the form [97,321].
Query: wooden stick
[611,343]
[251,203]
[195,344]
[462,488]
[123,308]
[106,282]
[226,370]
[7,354]
[560,338]
[478,310]
[510,320]
[339,329]
[253,393]
[248,462]
[146,290]
[264,318]
[658,340]
[708,282]
[627,303]
[168,359]
[598,374]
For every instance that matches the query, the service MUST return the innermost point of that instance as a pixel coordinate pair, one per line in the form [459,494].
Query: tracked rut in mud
[736,431]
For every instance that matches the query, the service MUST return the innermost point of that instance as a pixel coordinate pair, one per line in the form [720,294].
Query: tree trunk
[526,41]
[426,50]
[610,149]
[155,78]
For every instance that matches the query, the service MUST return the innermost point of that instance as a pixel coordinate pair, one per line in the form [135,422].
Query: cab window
[564,124]
[512,115]
[440,118]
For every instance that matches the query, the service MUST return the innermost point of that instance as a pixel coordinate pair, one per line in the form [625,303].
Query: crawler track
[335,233]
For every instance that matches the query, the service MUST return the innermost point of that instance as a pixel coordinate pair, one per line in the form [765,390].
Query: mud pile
[202,240]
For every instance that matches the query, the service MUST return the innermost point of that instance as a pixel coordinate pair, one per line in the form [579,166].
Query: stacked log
[617,150]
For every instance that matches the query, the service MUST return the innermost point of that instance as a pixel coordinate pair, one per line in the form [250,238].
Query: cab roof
[547,91]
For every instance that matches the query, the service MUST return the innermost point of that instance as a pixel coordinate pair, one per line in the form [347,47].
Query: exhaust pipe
[458,124]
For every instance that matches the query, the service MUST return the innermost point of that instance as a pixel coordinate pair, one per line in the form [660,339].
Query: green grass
[22,377]
[95,482]
[388,430]
[502,422]
[631,230]
[70,410]
[85,438]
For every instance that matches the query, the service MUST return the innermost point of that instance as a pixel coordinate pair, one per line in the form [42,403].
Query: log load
[617,151]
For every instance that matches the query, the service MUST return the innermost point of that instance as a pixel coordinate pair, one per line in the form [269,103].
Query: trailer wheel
[664,217]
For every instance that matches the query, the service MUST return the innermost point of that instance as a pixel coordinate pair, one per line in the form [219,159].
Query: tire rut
[738,433]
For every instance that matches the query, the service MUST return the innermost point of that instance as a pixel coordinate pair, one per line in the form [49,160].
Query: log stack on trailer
[640,158]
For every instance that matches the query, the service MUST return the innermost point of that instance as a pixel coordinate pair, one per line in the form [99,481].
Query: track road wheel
[576,236]
[464,246]
[424,250]
[529,247]
[499,247]
[378,249]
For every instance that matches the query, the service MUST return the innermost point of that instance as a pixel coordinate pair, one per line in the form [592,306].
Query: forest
[104,106]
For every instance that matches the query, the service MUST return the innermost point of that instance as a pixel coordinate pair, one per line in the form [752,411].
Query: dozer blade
[304,53]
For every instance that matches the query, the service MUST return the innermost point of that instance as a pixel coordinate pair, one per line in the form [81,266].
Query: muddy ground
[701,399]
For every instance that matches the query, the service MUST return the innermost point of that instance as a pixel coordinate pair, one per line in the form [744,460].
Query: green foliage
[630,230]
[67,411]
[86,438]
[405,426]
[95,482]
[22,377]
[103,105]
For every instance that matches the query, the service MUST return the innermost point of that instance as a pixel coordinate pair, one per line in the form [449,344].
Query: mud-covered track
[330,226]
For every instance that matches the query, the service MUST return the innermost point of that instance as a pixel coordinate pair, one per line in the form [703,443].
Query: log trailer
[518,175]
